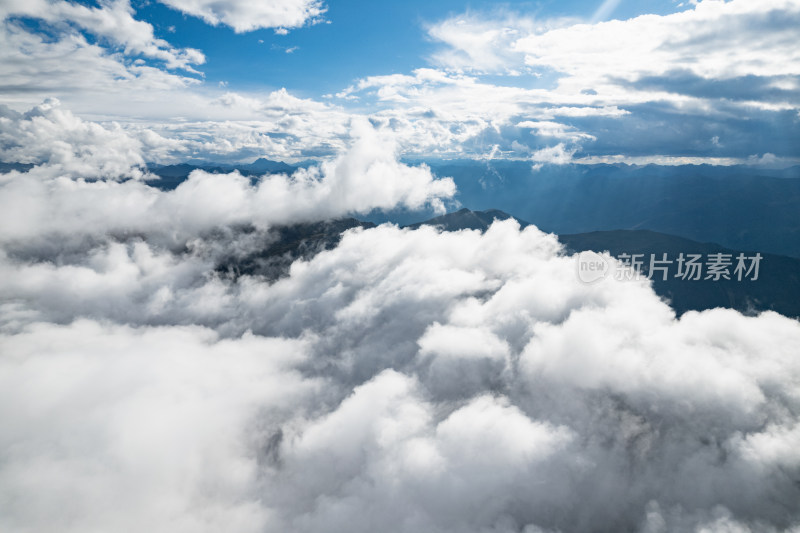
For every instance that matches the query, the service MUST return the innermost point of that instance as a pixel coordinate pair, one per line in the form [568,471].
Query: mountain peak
[467,219]
[263,164]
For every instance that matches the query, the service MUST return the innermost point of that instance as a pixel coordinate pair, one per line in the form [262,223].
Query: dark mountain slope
[777,287]
[466,219]
[173,175]
[283,245]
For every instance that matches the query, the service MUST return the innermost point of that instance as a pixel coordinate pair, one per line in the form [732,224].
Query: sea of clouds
[404,381]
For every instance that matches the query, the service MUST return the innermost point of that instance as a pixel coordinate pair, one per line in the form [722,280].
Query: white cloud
[589,67]
[432,112]
[47,135]
[553,155]
[367,176]
[112,21]
[484,42]
[664,160]
[548,128]
[402,381]
[34,67]
[476,44]
[224,126]
[416,380]
[701,40]
[596,56]
[243,15]
[139,427]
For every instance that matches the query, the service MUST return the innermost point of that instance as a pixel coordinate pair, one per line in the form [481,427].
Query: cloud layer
[408,380]
[244,16]
[55,198]
[715,82]
[62,143]
[686,78]
[112,21]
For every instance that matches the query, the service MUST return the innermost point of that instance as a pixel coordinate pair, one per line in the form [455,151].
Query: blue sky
[356,39]
[553,82]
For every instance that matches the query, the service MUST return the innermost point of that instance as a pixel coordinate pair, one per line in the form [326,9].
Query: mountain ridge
[776,289]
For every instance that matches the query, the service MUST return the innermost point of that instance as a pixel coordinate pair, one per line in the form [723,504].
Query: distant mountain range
[746,208]
[466,219]
[777,287]
[172,175]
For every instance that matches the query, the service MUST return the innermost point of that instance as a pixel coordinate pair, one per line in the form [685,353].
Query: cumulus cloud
[698,39]
[408,380]
[226,126]
[689,73]
[481,385]
[50,136]
[141,427]
[48,201]
[88,56]
[685,65]
[553,155]
[445,113]
[243,16]
[111,21]
[405,380]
